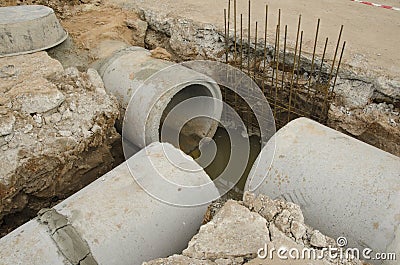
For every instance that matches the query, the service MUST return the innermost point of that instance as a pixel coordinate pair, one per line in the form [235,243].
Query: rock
[282,221]
[295,211]
[40,101]
[139,28]
[65,133]
[354,93]
[370,124]
[235,261]
[96,81]
[233,232]
[161,53]
[6,124]
[318,239]
[225,239]
[265,206]
[44,152]
[179,260]
[387,90]
[297,229]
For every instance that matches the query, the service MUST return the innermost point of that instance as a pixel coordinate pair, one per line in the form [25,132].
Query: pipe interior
[195,129]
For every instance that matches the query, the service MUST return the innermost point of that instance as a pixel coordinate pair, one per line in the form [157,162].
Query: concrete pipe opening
[193,130]
[149,88]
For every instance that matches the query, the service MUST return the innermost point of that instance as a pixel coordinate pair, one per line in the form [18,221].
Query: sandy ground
[372,33]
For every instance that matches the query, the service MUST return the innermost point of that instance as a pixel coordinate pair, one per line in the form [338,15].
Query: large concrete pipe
[127,75]
[113,221]
[344,186]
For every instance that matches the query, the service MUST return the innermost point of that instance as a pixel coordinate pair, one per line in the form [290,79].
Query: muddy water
[223,154]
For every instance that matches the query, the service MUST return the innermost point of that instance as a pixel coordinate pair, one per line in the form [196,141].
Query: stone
[65,133]
[44,152]
[370,124]
[96,81]
[295,211]
[297,229]
[318,239]
[139,28]
[235,261]
[282,221]
[161,53]
[354,93]
[179,260]
[270,210]
[40,102]
[6,124]
[233,232]
[387,90]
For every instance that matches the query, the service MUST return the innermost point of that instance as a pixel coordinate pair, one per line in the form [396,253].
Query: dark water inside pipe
[220,161]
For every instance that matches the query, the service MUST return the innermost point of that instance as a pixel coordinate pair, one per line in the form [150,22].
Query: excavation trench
[352,120]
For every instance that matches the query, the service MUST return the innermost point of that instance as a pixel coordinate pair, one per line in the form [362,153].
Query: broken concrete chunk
[233,232]
[139,28]
[8,71]
[388,89]
[295,211]
[179,260]
[235,261]
[318,239]
[248,199]
[161,53]
[6,124]
[46,151]
[225,239]
[298,229]
[282,221]
[40,102]
[96,81]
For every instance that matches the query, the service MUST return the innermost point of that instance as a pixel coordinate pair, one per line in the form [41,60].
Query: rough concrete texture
[367,77]
[239,229]
[376,124]
[251,228]
[56,132]
[193,30]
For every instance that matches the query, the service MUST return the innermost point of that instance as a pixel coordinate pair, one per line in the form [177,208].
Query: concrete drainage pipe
[127,75]
[346,188]
[113,220]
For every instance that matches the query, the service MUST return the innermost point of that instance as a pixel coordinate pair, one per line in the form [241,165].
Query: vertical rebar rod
[255,51]
[277,66]
[228,26]
[317,85]
[313,56]
[326,95]
[338,67]
[322,62]
[248,39]
[284,59]
[294,67]
[235,29]
[265,37]
[241,41]
[226,38]
[298,68]
[334,57]
[274,58]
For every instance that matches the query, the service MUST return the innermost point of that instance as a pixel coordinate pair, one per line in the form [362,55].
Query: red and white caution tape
[378,5]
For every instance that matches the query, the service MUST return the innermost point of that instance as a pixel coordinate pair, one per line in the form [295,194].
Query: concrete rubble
[240,228]
[56,133]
